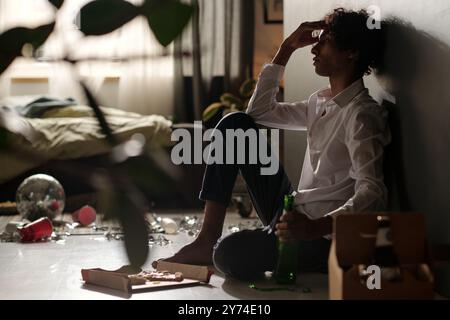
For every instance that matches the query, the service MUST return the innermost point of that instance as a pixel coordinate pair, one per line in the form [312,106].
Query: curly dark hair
[350,31]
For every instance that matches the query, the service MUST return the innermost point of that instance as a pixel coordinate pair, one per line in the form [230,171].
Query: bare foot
[196,253]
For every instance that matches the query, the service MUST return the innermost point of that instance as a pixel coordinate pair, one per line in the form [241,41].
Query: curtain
[146,85]
[220,40]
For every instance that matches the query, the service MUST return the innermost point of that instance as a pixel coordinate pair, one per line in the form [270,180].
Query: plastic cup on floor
[85,216]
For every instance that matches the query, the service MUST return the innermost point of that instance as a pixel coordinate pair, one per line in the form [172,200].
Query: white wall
[422,109]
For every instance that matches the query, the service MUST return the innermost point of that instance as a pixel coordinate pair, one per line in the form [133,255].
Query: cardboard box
[119,280]
[354,245]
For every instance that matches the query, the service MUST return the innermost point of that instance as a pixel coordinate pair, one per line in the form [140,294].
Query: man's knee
[225,255]
[236,120]
[244,255]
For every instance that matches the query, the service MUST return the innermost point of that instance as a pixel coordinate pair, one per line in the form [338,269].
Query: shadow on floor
[116,293]
[241,290]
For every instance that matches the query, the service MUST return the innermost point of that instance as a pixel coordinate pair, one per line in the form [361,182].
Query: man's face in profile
[328,59]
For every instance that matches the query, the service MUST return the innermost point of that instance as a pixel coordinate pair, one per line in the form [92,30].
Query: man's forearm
[283,55]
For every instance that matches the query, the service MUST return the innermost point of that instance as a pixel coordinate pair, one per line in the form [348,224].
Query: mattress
[72,133]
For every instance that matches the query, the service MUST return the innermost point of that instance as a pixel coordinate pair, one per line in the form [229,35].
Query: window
[134,38]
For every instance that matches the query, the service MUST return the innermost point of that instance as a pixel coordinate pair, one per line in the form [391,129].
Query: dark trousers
[249,253]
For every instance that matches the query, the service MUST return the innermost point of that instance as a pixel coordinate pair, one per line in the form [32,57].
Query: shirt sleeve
[366,135]
[266,110]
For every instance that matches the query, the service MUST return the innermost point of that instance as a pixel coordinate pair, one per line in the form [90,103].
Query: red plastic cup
[85,216]
[37,230]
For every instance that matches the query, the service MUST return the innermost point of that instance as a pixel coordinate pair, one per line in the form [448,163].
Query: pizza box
[119,280]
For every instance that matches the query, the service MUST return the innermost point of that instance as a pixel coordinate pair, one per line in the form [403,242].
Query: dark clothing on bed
[37,108]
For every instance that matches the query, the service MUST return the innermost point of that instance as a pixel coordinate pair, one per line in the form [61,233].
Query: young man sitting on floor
[342,170]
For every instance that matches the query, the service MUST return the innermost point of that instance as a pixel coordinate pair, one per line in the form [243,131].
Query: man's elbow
[375,195]
[253,112]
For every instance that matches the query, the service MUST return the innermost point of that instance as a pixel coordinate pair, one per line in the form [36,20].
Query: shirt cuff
[338,212]
[272,71]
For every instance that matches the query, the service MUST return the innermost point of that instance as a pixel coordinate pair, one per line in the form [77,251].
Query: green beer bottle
[286,270]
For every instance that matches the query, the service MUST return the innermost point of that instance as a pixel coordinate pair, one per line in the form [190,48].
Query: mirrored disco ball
[39,196]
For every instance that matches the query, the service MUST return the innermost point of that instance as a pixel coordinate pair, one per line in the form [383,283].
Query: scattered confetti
[160,241]
[246,225]
[155,225]
[191,225]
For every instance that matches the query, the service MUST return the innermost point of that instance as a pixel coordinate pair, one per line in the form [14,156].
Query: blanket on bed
[72,132]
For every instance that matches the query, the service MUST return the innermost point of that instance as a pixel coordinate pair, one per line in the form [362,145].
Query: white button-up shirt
[343,165]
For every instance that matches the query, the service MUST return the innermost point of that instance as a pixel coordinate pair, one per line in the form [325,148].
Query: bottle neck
[383,237]
[384,246]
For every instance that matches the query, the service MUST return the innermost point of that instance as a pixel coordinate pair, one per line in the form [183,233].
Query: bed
[63,134]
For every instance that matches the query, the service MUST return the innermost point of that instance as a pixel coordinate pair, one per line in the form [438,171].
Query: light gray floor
[51,270]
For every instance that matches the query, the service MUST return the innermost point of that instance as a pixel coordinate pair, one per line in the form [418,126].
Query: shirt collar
[345,96]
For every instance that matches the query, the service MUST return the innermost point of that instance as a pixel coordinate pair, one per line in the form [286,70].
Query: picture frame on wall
[273,11]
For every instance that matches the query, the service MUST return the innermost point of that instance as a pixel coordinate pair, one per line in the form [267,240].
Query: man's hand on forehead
[323,33]
[328,18]
[317,27]
[306,34]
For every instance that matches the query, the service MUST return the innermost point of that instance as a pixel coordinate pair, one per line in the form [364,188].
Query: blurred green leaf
[57,3]
[99,115]
[135,228]
[229,99]
[37,36]
[13,40]
[3,138]
[104,16]
[247,88]
[145,173]
[212,110]
[118,202]
[11,44]
[167,18]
